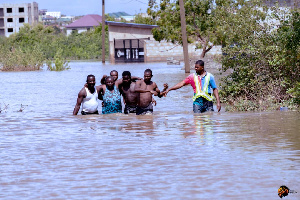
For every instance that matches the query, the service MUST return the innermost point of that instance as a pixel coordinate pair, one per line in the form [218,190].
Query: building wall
[154,51]
[119,32]
[160,51]
[79,30]
[54,14]
[13,16]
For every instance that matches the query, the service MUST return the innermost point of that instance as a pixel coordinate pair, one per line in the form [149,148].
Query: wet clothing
[112,101]
[84,113]
[203,88]
[130,109]
[201,105]
[212,84]
[142,111]
[90,103]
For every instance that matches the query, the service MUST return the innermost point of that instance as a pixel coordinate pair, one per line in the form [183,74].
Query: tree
[209,22]
[140,19]
[265,64]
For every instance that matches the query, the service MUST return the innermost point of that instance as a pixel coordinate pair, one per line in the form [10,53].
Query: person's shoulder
[190,75]
[82,92]
[211,75]
[99,87]
[133,83]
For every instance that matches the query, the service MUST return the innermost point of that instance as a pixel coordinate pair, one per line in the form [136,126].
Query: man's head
[199,66]
[114,74]
[126,75]
[147,75]
[91,80]
[109,82]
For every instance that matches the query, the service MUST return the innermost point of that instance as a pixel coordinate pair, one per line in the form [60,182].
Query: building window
[21,20]
[9,10]
[21,10]
[10,30]
[9,19]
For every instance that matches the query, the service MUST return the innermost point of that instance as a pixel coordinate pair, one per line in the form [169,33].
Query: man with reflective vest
[203,84]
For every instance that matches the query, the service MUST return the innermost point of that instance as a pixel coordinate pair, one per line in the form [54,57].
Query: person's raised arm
[161,94]
[81,95]
[135,78]
[137,88]
[175,87]
[118,82]
[216,93]
[100,91]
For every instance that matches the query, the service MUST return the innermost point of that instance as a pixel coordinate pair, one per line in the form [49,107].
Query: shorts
[143,111]
[129,109]
[202,105]
[85,113]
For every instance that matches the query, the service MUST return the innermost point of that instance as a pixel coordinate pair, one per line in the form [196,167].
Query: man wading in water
[146,88]
[203,84]
[88,97]
[126,87]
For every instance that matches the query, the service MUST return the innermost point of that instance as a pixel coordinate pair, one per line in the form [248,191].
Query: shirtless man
[88,96]
[126,86]
[146,88]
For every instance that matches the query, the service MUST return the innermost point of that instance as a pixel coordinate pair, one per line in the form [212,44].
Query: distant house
[85,23]
[130,42]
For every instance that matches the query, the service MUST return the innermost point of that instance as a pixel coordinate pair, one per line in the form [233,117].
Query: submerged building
[13,16]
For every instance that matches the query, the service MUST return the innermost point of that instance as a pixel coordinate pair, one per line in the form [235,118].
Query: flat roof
[112,23]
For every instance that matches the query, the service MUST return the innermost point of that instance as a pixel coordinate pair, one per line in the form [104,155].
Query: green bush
[265,67]
[34,45]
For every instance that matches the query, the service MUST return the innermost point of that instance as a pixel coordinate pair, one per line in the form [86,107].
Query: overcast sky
[83,7]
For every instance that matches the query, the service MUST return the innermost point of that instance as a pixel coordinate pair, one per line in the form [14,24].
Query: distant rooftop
[118,14]
[86,21]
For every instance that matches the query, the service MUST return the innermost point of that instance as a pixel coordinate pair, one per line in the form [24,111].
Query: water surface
[47,153]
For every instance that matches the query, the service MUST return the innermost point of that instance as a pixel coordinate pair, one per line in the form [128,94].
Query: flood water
[47,153]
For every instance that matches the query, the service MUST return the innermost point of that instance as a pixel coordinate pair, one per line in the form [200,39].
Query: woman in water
[111,97]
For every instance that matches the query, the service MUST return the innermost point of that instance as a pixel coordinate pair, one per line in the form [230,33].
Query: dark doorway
[129,50]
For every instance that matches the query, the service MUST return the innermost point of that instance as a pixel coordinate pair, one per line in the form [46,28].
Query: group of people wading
[138,93]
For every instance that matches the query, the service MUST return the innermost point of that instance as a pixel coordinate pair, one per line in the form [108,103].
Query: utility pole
[103,31]
[184,38]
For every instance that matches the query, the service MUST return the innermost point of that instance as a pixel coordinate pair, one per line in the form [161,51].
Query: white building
[13,16]
[54,14]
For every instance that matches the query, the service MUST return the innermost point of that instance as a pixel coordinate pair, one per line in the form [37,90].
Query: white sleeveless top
[90,103]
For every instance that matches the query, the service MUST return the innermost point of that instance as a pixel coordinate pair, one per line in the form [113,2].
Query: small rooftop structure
[127,41]
[132,25]
[84,23]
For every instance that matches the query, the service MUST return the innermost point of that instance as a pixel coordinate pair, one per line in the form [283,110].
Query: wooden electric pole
[103,31]
[184,38]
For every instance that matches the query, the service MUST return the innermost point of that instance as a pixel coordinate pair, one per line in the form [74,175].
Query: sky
[84,7]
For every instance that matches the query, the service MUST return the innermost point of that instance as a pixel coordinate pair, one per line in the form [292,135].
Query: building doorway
[129,50]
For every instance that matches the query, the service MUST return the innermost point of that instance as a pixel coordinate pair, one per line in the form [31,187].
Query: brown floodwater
[47,153]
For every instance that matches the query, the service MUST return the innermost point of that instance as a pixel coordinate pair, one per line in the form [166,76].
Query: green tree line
[33,46]
[261,46]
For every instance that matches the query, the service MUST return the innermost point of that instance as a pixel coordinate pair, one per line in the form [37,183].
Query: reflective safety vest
[199,92]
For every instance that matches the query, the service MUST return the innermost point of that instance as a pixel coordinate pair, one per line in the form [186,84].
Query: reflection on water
[46,153]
